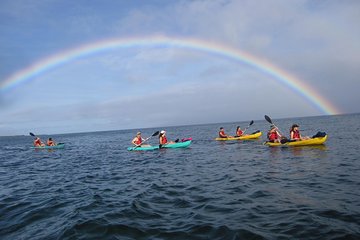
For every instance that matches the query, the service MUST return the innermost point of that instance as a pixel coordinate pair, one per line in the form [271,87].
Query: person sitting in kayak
[295,133]
[239,132]
[138,140]
[222,133]
[50,142]
[273,135]
[162,138]
[38,142]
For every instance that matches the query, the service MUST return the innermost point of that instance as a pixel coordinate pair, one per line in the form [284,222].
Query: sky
[154,84]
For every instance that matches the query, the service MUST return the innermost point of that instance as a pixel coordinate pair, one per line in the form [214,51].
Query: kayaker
[239,132]
[295,133]
[273,135]
[38,142]
[138,140]
[222,133]
[162,138]
[50,142]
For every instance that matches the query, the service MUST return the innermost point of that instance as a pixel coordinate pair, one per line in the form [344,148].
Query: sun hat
[138,133]
[162,131]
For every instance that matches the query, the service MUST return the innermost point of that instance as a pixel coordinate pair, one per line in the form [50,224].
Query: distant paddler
[51,142]
[222,133]
[163,139]
[295,133]
[38,142]
[274,135]
[138,141]
[238,132]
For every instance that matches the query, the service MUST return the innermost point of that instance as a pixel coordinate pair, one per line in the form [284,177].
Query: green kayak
[170,145]
[58,146]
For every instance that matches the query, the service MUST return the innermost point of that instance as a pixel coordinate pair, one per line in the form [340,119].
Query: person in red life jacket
[163,139]
[50,142]
[295,133]
[239,132]
[38,142]
[273,135]
[137,141]
[222,133]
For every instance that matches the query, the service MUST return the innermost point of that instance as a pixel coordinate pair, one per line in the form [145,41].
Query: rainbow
[279,75]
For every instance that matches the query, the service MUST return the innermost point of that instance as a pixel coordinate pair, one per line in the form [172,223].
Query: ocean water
[95,189]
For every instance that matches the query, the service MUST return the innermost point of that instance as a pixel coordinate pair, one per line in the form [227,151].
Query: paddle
[153,135]
[251,123]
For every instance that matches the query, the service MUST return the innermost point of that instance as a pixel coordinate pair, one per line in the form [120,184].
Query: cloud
[317,41]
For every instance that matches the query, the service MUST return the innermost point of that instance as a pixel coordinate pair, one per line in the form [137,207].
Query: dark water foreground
[95,189]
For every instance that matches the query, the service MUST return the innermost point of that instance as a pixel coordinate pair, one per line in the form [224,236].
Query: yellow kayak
[308,142]
[254,135]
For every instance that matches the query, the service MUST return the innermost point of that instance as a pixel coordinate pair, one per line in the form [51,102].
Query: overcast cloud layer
[317,41]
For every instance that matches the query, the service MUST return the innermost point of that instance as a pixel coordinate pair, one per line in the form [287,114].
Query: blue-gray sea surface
[95,189]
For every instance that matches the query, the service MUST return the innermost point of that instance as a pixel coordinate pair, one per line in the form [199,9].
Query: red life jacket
[37,142]
[239,133]
[138,140]
[222,134]
[296,134]
[272,136]
[163,140]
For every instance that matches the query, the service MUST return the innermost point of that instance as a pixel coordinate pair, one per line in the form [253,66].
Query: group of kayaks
[256,135]
[306,142]
[186,143]
[318,139]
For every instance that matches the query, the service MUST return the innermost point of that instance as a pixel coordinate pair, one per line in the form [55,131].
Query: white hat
[162,131]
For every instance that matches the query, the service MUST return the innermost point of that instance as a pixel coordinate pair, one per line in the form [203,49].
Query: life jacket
[239,133]
[138,140]
[50,143]
[163,140]
[272,136]
[222,134]
[296,134]
[37,142]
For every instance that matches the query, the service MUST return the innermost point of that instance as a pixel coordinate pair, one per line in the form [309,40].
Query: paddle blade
[31,134]
[267,118]
[155,133]
[251,123]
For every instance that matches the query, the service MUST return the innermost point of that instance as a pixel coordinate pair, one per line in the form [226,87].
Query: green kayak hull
[58,146]
[171,145]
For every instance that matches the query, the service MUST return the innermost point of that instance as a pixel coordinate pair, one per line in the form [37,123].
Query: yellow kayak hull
[308,142]
[245,137]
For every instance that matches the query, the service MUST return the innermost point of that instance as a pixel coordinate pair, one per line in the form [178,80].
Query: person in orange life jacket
[295,133]
[273,135]
[138,140]
[38,142]
[239,132]
[222,133]
[162,138]
[50,142]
